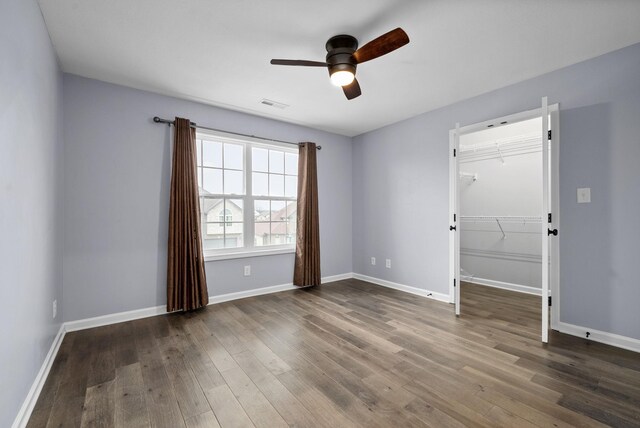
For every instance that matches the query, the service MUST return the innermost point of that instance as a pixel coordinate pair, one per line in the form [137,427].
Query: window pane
[199,180]
[260,159]
[209,208]
[276,161]
[210,242]
[291,163]
[214,230]
[199,151]
[212,233]
[290,186]
[278,210]
[233,182]
[291,231]
[235,206]
[278,233]
[233,242]
[260,184]
[276,185]
[262,233]
[233,235]
[292,208]
[261,210]
[291,222]
[212,180]
[211,153]
[233,156]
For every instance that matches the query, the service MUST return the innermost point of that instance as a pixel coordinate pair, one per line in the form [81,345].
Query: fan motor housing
[340,51]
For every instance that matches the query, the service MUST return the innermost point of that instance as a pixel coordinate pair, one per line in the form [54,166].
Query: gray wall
[30,194]
[117,173]
[400,188]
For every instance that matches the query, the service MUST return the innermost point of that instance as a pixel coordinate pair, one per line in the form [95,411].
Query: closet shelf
[502,218]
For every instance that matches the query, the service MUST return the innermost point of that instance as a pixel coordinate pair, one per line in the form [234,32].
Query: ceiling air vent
[275,104]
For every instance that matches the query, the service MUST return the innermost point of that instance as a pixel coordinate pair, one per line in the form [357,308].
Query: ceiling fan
[343,56]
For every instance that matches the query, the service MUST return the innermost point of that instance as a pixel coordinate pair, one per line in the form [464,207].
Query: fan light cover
[342,78]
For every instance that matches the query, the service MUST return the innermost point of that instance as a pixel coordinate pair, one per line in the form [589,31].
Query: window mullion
[249,227]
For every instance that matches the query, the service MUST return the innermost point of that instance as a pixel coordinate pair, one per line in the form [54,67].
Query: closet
[500,176]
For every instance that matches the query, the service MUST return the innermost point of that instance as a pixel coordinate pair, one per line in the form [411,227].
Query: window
[248,195]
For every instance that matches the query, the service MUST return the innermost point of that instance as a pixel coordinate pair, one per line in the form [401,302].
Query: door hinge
[454,153]
[454,282]
[549,300]
[549,220]
[454,217]
[549,135]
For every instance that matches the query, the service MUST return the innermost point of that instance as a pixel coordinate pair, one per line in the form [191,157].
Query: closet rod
[194,125]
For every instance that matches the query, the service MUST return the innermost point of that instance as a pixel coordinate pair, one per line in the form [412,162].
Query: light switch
[584,195]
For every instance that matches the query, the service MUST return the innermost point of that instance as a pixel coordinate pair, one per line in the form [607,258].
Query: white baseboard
[32,397]
[406,288]
[250,293]
[612,339]
[340,277]
[505,285]
[114,318]
[272,289]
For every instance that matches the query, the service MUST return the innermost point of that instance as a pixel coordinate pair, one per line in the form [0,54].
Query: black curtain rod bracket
[157,119]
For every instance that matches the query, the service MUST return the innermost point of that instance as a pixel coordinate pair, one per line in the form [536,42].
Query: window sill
[246,254]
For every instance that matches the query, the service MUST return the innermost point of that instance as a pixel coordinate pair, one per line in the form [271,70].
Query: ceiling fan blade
[352,90]
[299,62]
[384,44]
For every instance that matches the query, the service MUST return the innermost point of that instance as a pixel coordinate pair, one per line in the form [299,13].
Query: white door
[454,229]
[545,225]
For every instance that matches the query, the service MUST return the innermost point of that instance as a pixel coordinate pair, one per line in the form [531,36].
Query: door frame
[554,201]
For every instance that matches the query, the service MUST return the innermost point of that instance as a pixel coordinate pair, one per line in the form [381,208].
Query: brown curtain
[186,279]
[307,264]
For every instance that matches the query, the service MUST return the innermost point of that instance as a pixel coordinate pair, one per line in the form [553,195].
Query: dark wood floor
[345,354]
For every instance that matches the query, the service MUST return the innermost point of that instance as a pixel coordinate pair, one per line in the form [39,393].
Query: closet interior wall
[500,203]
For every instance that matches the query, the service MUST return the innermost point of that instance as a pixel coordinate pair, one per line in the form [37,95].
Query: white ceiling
[218,52]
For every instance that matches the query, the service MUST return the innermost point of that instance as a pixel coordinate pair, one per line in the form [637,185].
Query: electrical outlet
[388,264]
[55,309]
[247,271]
[373,260]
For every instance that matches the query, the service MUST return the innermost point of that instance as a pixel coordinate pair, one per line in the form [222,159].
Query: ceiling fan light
[342,78]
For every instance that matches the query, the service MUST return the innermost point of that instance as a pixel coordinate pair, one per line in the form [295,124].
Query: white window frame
[248,250]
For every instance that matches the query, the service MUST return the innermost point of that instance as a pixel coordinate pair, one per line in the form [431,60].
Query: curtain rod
[194,125]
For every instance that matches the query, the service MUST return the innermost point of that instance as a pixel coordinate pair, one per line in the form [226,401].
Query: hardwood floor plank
[315,401]
[130,407]
[99,406]
[203,420]
[293,412]
[254,403]
[162,404]
[187,390]
[229,413]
